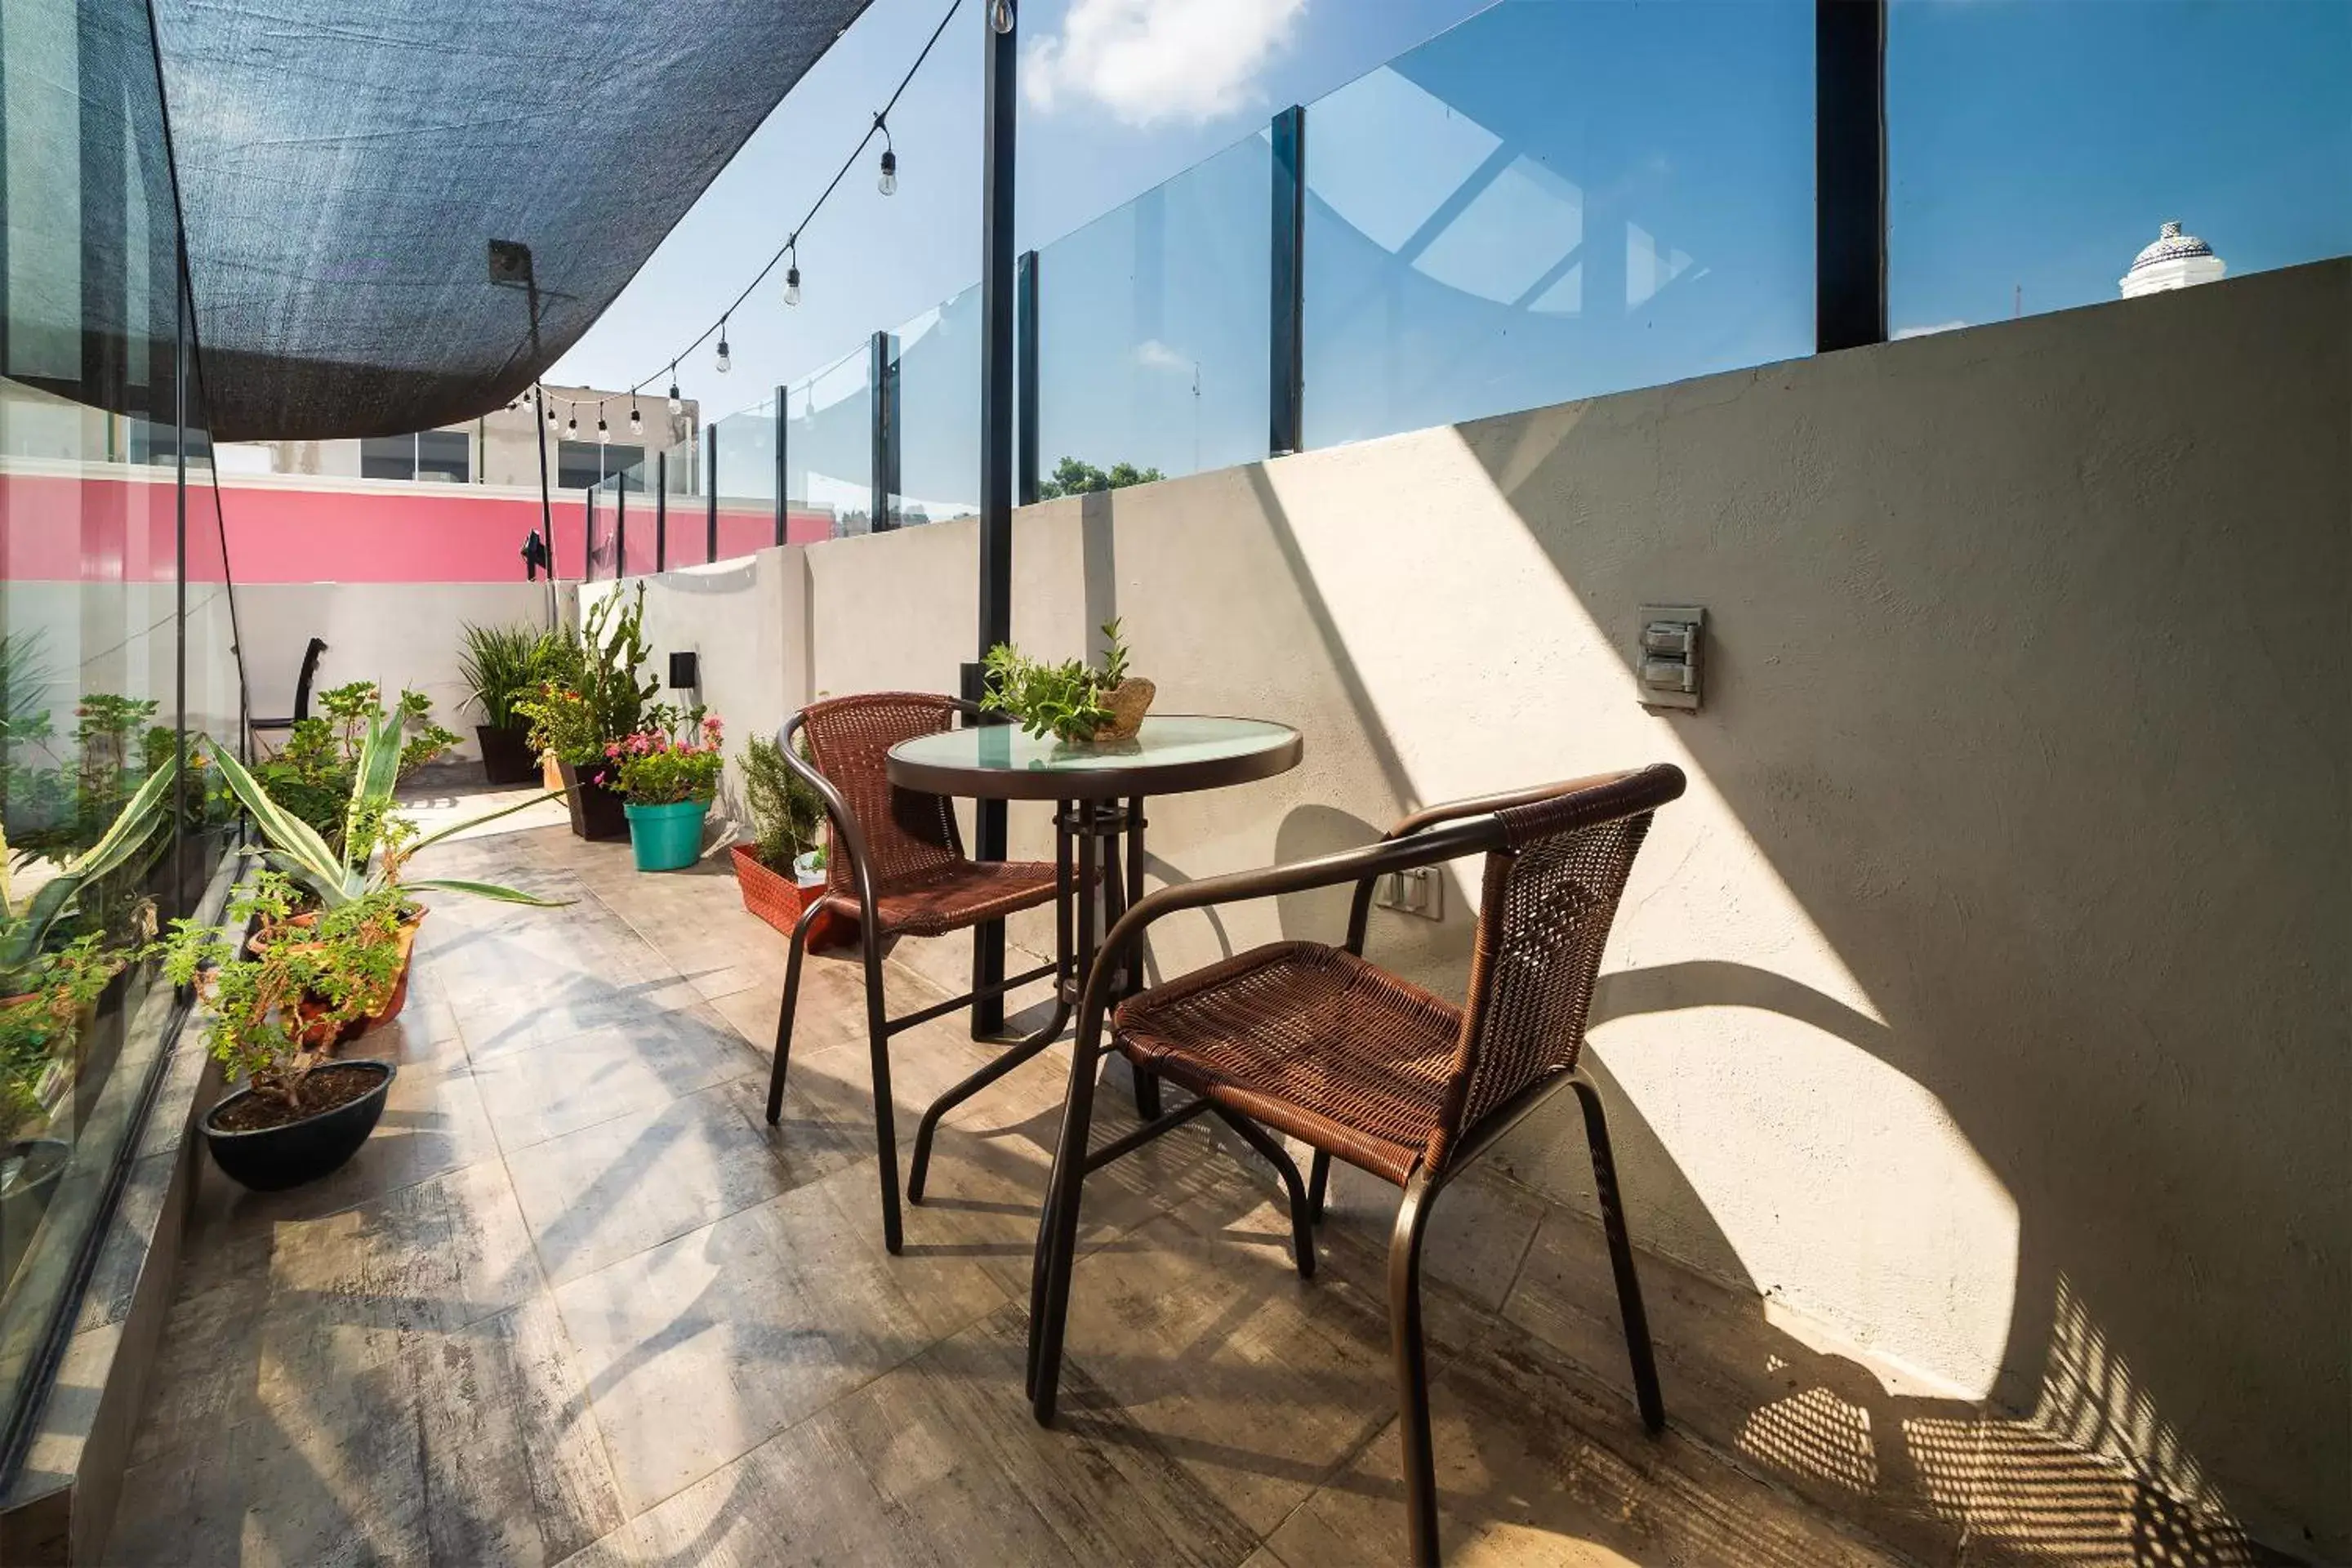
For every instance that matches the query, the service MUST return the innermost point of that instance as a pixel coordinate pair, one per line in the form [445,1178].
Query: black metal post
[1287,381]
[546,500]
[710,492]
[781,513]
[1024,325]
[882,377]
[1849,173]
[619,526]
[996,460]
[588,535]
[661,511]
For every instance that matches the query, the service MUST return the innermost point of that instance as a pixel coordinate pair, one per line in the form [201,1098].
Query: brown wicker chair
[1369,1069]
[896,861]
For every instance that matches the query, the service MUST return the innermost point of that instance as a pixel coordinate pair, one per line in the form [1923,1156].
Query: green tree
[1074,477]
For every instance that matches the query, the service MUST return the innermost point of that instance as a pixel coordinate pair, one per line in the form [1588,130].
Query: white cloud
[1149,60]
[1930,329]
[1153,355]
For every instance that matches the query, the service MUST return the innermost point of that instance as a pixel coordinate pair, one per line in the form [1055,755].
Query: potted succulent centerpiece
[783,867]
[1074,702]
[667,776]
[599,700]
[501,664]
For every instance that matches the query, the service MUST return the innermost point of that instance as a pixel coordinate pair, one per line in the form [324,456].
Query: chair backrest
[309,672]
[849,739]
[1550,897]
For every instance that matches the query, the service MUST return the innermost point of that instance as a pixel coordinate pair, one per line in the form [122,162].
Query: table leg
[1147,1084]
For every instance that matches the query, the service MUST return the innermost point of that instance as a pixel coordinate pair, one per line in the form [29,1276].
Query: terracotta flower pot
[773,897]
[326,1035]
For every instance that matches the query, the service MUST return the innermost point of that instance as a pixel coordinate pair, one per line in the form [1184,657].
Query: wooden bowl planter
[269,1156]
[507,756]
[596,811]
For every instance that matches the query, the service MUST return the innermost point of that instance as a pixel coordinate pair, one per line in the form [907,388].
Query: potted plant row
[333,929]
[783,866]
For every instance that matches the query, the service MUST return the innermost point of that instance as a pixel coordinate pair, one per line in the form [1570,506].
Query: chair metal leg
[785,1014]
[886,1136]
[1412,1369]
[1014,1055]
[1059,1236]
[1302,1231]
[1621,1258]
[1318,1184]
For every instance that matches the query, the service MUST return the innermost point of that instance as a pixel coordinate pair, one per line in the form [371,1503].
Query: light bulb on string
[723,345]
[548,404]
[677,403]
[1000,16]
[888,184]
[636,420]
[603,431]
[791,285]
[572,423]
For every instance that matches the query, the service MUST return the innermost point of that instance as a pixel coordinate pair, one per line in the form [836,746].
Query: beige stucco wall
[1983,1005]
[398,635]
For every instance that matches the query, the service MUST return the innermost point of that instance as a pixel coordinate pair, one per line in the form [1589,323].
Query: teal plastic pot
[666,837]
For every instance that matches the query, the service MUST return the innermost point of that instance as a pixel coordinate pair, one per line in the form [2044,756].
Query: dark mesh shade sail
[344,169]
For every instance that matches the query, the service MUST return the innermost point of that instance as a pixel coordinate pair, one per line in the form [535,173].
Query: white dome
[2173,260]
[2170,245]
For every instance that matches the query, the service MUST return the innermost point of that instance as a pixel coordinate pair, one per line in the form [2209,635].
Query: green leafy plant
[1066,700]
[501,664]
[311,775]
[1072,477]
[375,839]
[25,928]
[787,816]
[676,759]
[592,694]
[37,1029]
[280,1003]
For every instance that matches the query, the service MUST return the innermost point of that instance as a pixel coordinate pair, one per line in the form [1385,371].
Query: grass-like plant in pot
[278,1007]
[599,699]
[500,665]
[666,774]
[1073,702]
[783,866]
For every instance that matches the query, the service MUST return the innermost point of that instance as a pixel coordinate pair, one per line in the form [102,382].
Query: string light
[677,403]
[1000,18]
[636,420]
[603,431]
[548,403]
[572,419]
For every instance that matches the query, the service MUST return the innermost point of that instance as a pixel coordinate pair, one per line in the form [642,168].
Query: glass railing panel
[746,444]
[935,399]
[636,520]
[2036,153]
[1553,201]
[1152,330]
[829,450]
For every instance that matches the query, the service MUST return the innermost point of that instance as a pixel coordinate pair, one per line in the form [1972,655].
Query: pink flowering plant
[676,757]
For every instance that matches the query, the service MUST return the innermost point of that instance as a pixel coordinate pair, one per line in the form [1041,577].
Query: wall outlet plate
[1670,657]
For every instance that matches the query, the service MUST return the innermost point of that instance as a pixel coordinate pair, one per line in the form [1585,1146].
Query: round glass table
[1098,788]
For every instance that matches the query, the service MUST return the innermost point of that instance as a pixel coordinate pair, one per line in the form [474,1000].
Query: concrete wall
[398,635]
[1980,1013]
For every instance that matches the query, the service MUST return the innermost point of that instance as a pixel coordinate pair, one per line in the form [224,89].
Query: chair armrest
[1360,909]
[1427,846]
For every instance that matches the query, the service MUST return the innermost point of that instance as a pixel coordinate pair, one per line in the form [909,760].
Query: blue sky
[1555,198]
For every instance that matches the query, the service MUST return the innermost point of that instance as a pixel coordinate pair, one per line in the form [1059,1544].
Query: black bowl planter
[271,1159]
[507,756]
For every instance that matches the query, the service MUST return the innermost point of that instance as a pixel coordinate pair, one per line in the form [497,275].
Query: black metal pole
[878,433]
[710,492]
[1286,430]
[619,526]
[782,513]
[546,500]
[661,511]
[996,462]
[1025,322]
[588,535]
[1849,173]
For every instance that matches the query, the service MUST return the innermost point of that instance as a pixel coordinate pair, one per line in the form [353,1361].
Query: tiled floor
[576,1301]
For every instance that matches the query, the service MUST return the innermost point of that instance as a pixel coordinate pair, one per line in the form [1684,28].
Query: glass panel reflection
[1550,201]
[829,450]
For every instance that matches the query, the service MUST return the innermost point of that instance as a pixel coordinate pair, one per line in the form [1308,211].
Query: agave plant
[24,931]
[377,840]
